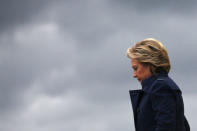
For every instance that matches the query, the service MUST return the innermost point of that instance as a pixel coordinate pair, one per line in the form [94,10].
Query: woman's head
[150,52]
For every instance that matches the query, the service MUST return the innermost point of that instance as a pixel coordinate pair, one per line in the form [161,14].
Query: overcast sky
[63,63]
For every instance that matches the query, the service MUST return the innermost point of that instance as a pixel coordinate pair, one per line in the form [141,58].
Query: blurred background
[63,63]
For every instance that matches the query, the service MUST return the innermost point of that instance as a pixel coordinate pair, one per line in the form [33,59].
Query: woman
[158,106]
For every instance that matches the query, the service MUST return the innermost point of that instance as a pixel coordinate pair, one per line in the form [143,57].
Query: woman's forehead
[134,61]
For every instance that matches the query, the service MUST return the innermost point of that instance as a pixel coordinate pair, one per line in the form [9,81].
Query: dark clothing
[159,105]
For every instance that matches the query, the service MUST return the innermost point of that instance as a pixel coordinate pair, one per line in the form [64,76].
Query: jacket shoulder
[164,83]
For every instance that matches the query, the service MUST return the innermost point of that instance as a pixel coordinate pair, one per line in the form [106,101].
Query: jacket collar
[149,81]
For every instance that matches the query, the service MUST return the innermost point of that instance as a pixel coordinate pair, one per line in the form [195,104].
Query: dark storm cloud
[13,13]
[155,6]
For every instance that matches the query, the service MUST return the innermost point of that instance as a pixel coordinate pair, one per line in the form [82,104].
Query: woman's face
[140,71]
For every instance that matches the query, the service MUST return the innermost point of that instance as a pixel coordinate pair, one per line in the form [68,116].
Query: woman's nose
[134,74]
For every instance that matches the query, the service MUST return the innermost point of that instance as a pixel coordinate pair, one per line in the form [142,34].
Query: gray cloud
[32,56]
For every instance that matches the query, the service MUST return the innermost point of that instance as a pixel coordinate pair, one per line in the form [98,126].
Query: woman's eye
[134,68]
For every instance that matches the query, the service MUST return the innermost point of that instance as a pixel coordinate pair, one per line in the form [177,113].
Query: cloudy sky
[63,63]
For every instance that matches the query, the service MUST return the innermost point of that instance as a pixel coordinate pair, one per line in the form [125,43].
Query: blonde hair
[151,52]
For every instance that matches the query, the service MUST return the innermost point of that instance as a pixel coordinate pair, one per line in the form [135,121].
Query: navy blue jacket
[158,106]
